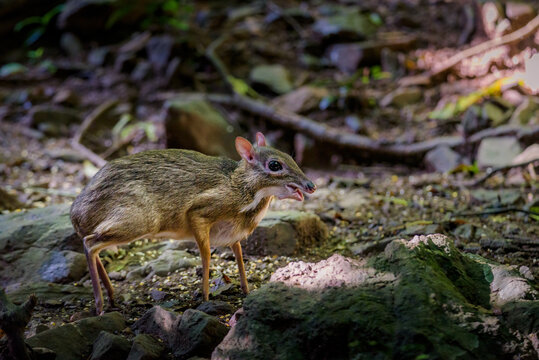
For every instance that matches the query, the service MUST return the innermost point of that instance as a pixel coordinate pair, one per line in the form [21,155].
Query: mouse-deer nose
[310,186]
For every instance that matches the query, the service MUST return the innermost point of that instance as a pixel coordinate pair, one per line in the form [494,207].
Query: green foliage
[38,24]
[12,68]
[172,13]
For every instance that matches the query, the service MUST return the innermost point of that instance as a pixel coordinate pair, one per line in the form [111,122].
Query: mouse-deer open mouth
[295,192]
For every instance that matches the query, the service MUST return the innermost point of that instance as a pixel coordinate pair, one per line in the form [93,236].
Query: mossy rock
[422,299]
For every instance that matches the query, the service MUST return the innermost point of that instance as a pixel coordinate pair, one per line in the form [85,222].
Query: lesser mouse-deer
[180,194]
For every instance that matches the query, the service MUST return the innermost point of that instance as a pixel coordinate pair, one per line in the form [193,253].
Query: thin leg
[236,248]
[92,266]
[106,281]
[202,236]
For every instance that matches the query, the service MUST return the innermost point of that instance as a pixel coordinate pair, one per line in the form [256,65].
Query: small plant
[38,24]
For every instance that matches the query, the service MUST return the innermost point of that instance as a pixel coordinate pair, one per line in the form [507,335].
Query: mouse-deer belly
[226,233]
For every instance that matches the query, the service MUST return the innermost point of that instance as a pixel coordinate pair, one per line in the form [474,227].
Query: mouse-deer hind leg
[105,280]
[91,256]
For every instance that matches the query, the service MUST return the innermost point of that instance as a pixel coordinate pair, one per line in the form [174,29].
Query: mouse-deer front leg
[236,248]
[201,232]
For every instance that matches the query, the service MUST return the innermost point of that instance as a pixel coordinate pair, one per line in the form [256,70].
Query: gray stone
[301,100]
[442,159]
[157,321]
[215,307]
[99,56]
[346,57]
[274,77]
[146,347]
[497,151]
[45,292]
[141,71]
[74,340]
[418,298]
[108,346]
[402,97]
[71,45]
[526,113]
[63,266]
[159,50]
[285,233]
[197,125]
[30,238]
[508,285]
[170,261]
[197,334]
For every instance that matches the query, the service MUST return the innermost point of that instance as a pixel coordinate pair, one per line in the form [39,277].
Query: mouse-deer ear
[245,149]
[260,139]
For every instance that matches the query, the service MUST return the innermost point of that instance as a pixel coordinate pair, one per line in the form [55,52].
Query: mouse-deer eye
[274,165]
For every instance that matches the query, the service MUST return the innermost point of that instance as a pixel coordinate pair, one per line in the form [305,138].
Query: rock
[519,14]
[215,307]
[9,201]
[44,292]
[347,24]
[146,347]
[508,285]
[197,334]
[64,266]
[66,97]
[197,125]
[349,56]
[301,100]
[354,123]
[506,197]
[274,77]
[442,159]
[527,113]
[74,340]
[497,151]
[108,346]
[285,233]
[159,50]
[31,239]
[142,71]
[53,120]
[402,97]
[99,56]
[170,261]
[157,321]
[346,57]
[71,45]
[418,298]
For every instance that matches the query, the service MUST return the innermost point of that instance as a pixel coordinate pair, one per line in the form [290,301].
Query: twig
[231,81]
[330,135]
[496,211]
[86,124]
[502,169]
[89,154]
[13,320]
[444,66]
[289,19]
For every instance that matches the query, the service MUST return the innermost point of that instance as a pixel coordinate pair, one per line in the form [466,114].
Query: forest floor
[365,199]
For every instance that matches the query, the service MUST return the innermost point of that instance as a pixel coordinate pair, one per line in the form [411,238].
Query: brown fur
[178,194]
